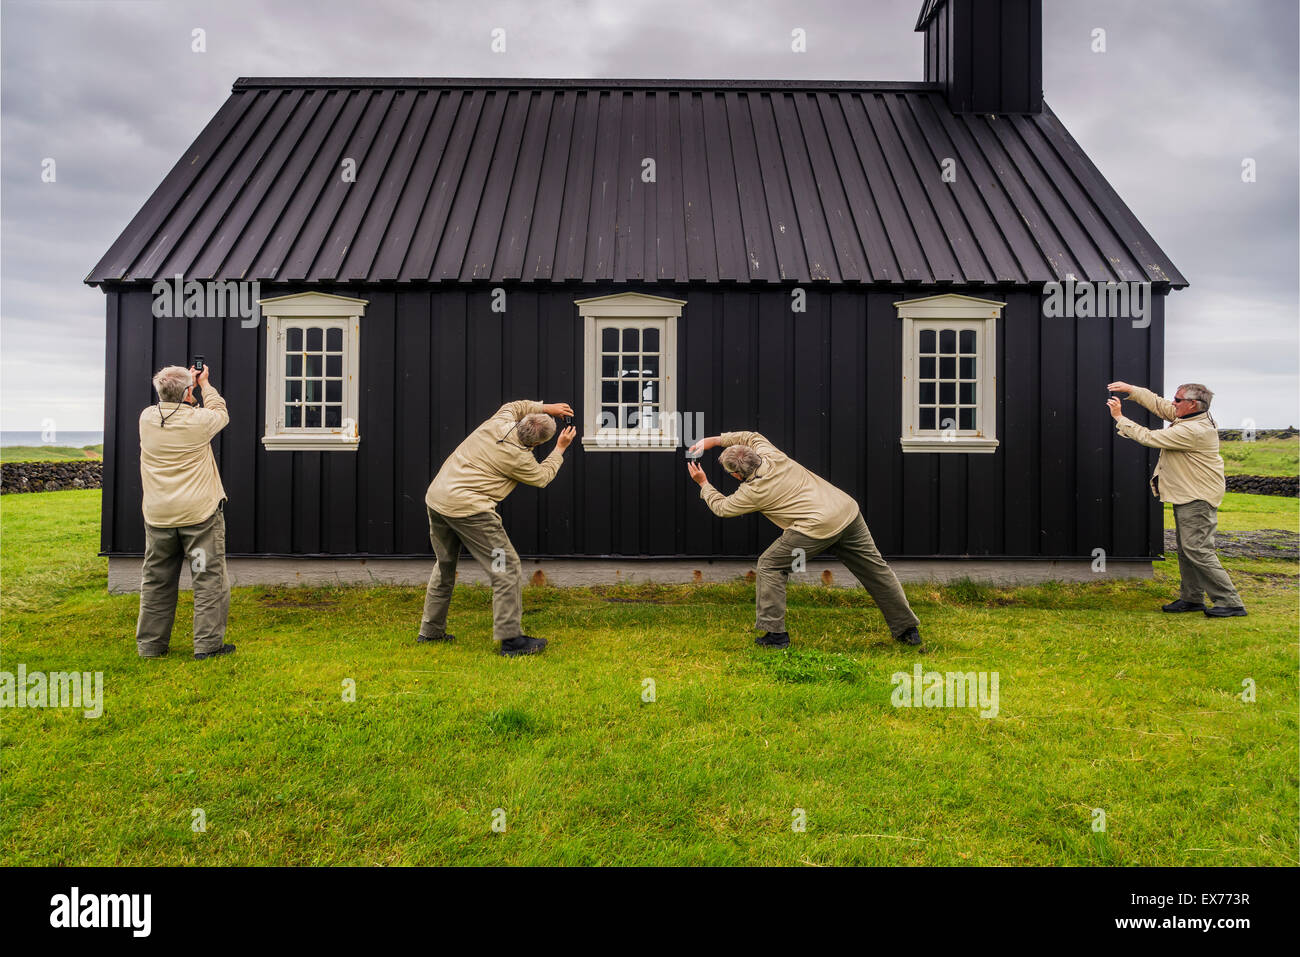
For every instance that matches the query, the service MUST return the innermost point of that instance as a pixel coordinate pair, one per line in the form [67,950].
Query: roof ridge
[466,82]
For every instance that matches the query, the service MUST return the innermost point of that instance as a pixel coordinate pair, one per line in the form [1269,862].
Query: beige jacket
[177,469]
[1190,467]
[784,491]
[487,466]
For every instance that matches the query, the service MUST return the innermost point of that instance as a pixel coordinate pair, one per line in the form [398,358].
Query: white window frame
[951,311]
[623,309]
[328,312]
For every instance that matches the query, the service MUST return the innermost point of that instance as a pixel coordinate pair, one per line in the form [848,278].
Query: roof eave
[574,83]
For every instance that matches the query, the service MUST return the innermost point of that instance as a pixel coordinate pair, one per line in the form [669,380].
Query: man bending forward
[815,516]
[462,502]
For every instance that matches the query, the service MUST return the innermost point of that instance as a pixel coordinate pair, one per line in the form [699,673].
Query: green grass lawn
[1104,703]
[49,453]
[1262,457]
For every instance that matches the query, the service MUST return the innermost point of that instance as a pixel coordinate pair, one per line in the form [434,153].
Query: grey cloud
[1187,89]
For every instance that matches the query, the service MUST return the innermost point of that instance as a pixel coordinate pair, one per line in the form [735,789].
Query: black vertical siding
[882,498]
[1020,361]
[112,376]
[1131,361]
[1155,380]
[822,384]
[1094,433]
[239,372]
[135,363]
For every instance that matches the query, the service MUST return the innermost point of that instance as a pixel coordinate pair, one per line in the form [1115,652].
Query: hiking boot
[1180,605]
[435,637]
[773,639]
[223,650]
[1225,611]
[521,645]
[912,638]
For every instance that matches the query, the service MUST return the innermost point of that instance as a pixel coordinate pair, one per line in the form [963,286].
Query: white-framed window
[949,373]
[313,359]
[630,377]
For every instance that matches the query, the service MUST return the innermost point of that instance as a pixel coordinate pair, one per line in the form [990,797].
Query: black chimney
[988,54]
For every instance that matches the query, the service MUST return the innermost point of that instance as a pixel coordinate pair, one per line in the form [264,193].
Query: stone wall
[50,476]
[1265,484]
[1234,435]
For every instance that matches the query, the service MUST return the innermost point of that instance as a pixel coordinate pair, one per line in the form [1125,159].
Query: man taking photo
[1189,475]
[184,518]
[814,515]
[462,501]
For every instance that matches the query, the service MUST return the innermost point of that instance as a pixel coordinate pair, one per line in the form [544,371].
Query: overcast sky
[111,90]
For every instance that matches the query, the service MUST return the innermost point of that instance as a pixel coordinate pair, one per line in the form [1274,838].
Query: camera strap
[507,435]
[163,418]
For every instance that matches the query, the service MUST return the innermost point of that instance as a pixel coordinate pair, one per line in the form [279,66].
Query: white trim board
[326,311]
[960,313]
[657,311]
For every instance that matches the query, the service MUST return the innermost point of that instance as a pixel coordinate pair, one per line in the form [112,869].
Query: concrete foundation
[124,573]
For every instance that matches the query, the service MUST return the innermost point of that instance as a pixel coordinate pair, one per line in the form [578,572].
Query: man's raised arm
[1147,399]
[755,440]
[213,414]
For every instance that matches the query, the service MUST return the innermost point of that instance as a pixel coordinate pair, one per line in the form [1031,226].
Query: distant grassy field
[49,453]
[1263,457]
[1249,513]
[1104,703]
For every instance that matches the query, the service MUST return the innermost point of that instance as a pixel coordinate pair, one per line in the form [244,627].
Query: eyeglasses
[1181,399]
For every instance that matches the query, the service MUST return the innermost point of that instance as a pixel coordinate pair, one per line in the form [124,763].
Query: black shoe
[911,637]
[435,638]
[1180,605]
[223,650]
[1225,611]
[522,645]
[773,639]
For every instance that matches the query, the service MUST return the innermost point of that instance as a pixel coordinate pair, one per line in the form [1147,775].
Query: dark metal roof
[928,10]
[541,181]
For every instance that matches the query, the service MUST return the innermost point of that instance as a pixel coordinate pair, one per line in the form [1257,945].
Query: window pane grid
[947,380]
[313,383]
[631,376]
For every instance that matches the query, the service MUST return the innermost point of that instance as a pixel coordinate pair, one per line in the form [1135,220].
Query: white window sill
[306,442]
[629,442]
[959,443]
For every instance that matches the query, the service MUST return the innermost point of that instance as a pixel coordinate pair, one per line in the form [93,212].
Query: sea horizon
[70,438]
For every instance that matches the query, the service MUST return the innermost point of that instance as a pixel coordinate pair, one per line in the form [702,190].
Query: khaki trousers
[165,549]
[856,549]
[1198,564]
[484,537]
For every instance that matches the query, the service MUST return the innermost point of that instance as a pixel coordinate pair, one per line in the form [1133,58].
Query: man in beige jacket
[462,501]
[814,516]
[184,518]
[1189,475]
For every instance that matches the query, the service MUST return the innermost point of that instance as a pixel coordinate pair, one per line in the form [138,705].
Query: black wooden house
[856,269]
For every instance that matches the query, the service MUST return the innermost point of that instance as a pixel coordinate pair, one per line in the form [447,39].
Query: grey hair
[171,382]
[740,459]
[1197,393]
[536,428]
